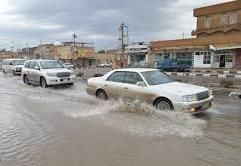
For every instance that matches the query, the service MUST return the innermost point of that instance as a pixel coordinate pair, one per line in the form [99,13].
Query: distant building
[137,54]
[4,54]
[217,43]
[77,53]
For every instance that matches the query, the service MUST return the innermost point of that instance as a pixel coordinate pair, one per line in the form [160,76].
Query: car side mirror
[141,83]
[11,63]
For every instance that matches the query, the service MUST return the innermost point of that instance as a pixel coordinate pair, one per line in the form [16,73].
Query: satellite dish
[212,48]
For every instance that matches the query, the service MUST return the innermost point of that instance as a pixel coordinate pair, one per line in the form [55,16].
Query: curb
[205,75]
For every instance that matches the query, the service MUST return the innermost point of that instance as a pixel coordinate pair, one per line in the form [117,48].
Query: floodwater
[64,126]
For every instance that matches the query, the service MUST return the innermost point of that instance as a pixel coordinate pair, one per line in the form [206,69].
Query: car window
[51,65]
[26,65]
[31,64]
[18,62]
[132,78]
[117,76]
[156,77]
[36,65]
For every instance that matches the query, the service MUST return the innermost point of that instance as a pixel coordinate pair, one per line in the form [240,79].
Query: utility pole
[183,35]
[74,36]
[123,38]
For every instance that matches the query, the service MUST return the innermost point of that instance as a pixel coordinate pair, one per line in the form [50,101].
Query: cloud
[97,21]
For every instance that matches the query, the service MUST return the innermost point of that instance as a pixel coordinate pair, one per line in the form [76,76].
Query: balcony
[214,29]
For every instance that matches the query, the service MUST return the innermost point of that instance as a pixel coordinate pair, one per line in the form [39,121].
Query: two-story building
[137,54]
[216,42]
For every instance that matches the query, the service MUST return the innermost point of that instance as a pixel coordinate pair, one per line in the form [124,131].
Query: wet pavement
[64,126]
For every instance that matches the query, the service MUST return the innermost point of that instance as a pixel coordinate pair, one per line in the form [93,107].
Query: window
[31,64]
[224,19]
[207,59]
[36,66]
[207,22]
[228,58]
[117,76]
[132,78]
[156,77]
[27,64]
[233,18]
[51,65]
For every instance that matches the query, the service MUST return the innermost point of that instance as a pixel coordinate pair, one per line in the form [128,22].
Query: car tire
[100,94]
[4,72]
[163,104]
[239,96]
[25,80]
[43,82]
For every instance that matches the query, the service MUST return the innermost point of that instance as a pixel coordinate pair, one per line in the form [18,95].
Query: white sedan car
[153,87]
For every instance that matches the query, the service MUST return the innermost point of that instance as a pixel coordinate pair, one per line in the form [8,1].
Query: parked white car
[153,87]
[46,73]
[68,66]
[13,66]
[105,65]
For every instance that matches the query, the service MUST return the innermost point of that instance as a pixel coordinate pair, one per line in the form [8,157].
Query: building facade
[216,42]
[137,54]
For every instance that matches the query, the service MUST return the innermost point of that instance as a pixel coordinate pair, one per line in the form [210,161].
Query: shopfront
[224,58]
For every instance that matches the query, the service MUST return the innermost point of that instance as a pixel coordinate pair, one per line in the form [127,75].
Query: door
[36,73]
[114,84]
[131,91]
[30,71]
[222,61]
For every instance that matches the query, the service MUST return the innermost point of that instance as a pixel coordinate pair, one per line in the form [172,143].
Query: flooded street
[65,126]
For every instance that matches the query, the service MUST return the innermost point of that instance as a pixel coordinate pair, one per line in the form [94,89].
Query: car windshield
[156,77]
[18,62]
[51,65]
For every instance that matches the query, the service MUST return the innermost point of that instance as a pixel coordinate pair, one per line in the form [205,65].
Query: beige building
[216,42]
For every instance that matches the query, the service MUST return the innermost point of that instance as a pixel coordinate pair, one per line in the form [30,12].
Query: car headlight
[51,74]
[189,98]
[210,92]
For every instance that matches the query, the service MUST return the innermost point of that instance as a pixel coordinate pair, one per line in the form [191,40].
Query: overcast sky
[32,21]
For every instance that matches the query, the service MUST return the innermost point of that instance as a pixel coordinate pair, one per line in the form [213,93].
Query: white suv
[46,73]
[13,66]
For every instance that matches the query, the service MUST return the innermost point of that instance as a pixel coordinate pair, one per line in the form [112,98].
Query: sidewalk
[211,74]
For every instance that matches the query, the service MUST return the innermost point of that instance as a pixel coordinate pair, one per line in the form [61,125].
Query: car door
[114,84]
[30,71]
[36,73]
[131,91]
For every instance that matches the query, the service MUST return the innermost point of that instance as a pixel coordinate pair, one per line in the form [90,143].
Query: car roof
[136,69]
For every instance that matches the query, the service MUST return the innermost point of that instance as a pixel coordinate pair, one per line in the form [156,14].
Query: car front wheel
[43,82]
[101,95]
[163,105]
[25,79]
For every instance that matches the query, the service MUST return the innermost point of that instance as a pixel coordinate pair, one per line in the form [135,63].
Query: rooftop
[218,8]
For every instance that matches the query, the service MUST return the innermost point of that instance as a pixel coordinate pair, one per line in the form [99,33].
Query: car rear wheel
[163,104]
[101,95]
[25,79]
[43,83]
